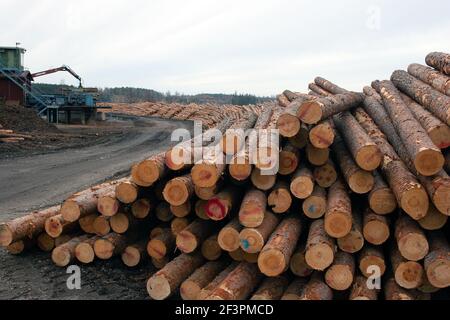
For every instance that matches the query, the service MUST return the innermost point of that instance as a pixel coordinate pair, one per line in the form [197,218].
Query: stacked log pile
[357,209]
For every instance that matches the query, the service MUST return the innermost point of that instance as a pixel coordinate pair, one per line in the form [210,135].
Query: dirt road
[43,180]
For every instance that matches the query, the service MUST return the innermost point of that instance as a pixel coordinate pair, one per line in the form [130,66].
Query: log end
[351,243]
[16,248]
[205,175]
[288,163]
[322,136]
[310,112]
[108,206]
[176,192]
[413,246]
[440,136]
[367,263]
[314,207]
[141,208]
[280,201]
[429,162]
[120,223]
[302,187]
[61,256]
[189,290]
[383,201]
[339,277]
[299,267]
[441,198]
[148,171]
[158,287]
[361,182]
[126,193]
[101,226]
[186,242]
[319,257]
[415,202]
[369,157]
[338,224]
[131,256]
[240,172]
[288,125]
[211,250]
[70,211]
[272,262]
[84,253]
[252,214]
[228,239]
[173,160]
[156,249]
[251,241]
[103,249]
[438,273]
[376,232]
[409,275]
[216,209]
[434,220]
[6,235]
[53,227]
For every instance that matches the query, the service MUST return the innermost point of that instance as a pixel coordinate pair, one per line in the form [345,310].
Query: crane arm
[63,68]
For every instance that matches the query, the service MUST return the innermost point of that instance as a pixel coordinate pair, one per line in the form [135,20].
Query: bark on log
[166,281]
[364,151]
[298,264]
[411,240]
[206,291]
[211,249]
[193,235]
[65,253]
[29,226]
[312,112]
[407,274]
[340,274]
[393,292]
[238,284]
[318,90]
[302,183]
[271,289]
[295,290]
[317,157]
[434,101]
[338,217]
[375,228]
[431,77]
[192,286]
[437,262]
[252,240]
[440,61]
[434,220]
[320,247]
[110,245]
[381,199]
[369,258]
[280,199]
[235,136]
[283,101]
[229,235]
[45,242]
[360,290]
[275,256]
[317,290]
[328,87]
[85,202]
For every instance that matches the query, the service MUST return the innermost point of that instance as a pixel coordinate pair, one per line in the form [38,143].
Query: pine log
[360,181]
[411,240]
[152,169]
[301,138]
[325,176]
[320,247]
[438,188]
[163,212]
[252,240]
[179,224]
[317,289]
[211,249]
[200,209]
[438,131]
[110,245]
[240,167]
[56,226]
[45,242]
[29,226]
[298,265]
[317,157]
[381,199]
[159,264]
[437,262]
[206,291]
[253,208]
[194,234]
[87,223]
[64,254]
[393,292]
[133,254]
[220,206]
[275,256]
[21,246]
[338,217]
[314,207]
[192,286]
[434,220]
[369,258]
[354,241]
[271,289]
[360,291]
[166,281]
[178,190]
[127,192]
[440,61]
[238,284]
[434,101]
[340,274]
[229,236]
[283,101]
[407,274]
[288,123]
[262,180]
[322,135]
[84,251]
[328,87]
[108,205]
[181,211]
[295,290]
[161,245]
[237,255]
[312,112]
[235,137]
[85,202]
[135,177]
[375,227]
[101,226]
[123,222]
[280,199]
[208,193]
[363,150]
[302,183]
[319,91]
[266,154]
[289,160]
[141,208]
[410,194]
[207,172]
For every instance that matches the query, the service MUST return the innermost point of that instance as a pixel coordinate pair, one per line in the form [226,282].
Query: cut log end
[415,202]
[61,256]
[376,232]
[351,243]
[70,211]
[108,206]
[319,257]
[158,287]
[368,157]
[251,240]
[141,208]
[216,209]
[429,162]
[84,253]
[413,246]
[382,201]
[240,172]
[101,226]
[53,227]
[280,200]
[272,262]
[103,249]
[302,187]
[310,112]
[339,277]
[131,256]
[186,242]
[288,125]
[176,193]
[338,224]
[288,163]
[322,136]
[440,135]
[120,223]
[314,207]
[409,275]
[148,171]
[6,235]
[189,290]
[126,193]
[205,175]
[438,273]
[229,239]
[156,249]
[361,182]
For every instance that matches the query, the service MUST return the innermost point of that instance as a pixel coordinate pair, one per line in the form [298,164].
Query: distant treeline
[133,95]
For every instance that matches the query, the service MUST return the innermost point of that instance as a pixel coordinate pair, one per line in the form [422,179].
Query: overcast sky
[260,47]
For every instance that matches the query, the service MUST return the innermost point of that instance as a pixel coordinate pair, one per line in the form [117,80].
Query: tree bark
[360,291]
[206,291]
[317,289]
[440,61]
[431,77]
[295,290]
[271,289]
[193,235]
[393,292]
